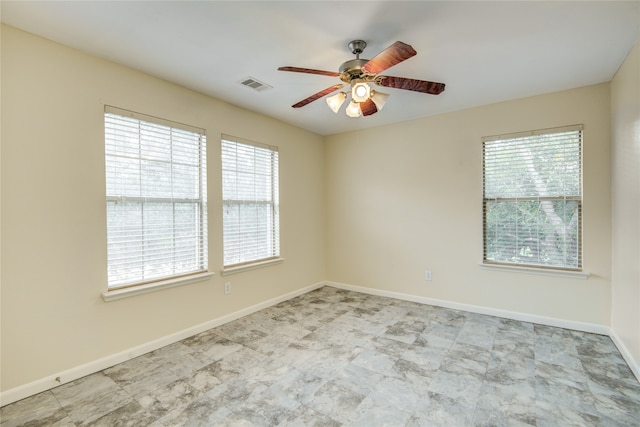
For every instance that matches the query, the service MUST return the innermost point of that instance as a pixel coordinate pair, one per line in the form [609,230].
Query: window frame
[231,241]
[577,198]
[197,239]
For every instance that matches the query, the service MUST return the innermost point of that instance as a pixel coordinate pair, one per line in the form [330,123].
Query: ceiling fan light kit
[360,73]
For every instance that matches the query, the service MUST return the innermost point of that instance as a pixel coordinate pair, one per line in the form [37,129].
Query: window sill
[238,269]
[117,294]
[539,271]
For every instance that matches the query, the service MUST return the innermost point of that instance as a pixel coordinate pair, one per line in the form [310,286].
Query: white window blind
[156,198]
[532,203]
[250,201]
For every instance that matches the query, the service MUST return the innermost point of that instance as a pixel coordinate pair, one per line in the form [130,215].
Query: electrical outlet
[427,275]
[227,288]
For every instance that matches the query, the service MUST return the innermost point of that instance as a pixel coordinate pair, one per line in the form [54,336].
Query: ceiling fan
[359,73]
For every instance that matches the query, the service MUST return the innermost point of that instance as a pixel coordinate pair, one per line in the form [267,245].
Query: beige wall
[405,198]
[53,210]
[625,123]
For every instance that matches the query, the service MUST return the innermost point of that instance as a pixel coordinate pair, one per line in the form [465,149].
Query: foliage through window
[532,204]
[156,198]
[250,201]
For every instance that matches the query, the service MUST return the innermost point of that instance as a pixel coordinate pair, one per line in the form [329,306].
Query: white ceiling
[485,52]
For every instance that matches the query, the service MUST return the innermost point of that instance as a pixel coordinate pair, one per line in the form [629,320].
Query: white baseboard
[542,320]
[59,378]
[626,354]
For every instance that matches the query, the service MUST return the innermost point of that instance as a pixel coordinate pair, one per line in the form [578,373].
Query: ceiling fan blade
[318,95]
[423,86]
[309,71]
[368,107]
[394,54]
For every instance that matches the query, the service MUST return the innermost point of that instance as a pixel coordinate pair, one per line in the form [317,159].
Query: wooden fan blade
[394,54]
[368,107]
[410,84]
[309,71]
[318,95]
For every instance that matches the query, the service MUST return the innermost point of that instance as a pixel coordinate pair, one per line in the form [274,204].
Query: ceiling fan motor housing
[352,68]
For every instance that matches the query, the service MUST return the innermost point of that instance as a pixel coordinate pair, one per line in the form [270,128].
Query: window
[533,199]
[156,198]
[250,202]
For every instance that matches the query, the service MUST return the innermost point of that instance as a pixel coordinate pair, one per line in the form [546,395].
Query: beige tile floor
[339,358]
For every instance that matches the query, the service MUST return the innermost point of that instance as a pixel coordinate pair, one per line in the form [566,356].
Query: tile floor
[339,358]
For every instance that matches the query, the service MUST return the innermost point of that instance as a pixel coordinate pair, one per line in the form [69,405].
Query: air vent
[254,84]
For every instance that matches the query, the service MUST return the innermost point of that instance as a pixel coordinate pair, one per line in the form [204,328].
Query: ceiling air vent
[254,84]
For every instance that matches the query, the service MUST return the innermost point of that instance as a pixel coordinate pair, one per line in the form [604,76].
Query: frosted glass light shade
[335,102]
[379,99]
[353,109]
